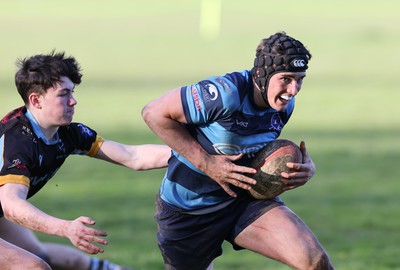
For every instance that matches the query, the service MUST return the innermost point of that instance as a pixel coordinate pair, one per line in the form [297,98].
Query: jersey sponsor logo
[226,87]
[241,123]
[85,130]
[61,146]
[26,130]
[40,159]
[213,91]
[276,122]
[196,98]
[234,149]
[226,148]
[16,163]
[210,92]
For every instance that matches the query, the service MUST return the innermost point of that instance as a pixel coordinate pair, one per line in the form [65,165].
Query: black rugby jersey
[27,158]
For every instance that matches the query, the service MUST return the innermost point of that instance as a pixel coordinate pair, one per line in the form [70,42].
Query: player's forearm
[179,139]
[18,210]
[136,157]
[30,217]
[149,156]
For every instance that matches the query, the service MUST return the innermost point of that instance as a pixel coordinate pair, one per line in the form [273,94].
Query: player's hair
[278,53]
[39,72]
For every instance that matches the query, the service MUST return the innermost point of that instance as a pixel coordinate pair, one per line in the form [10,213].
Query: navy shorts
[194,241]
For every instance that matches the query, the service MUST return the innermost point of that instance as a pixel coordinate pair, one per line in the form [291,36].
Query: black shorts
[194,241]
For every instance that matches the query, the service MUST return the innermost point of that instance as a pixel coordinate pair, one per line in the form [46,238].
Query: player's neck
[50,134]
[49,131]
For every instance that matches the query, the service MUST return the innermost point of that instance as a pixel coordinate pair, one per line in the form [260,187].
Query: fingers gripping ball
[270,162]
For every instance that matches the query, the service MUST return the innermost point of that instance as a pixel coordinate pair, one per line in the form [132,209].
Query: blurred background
[133,51]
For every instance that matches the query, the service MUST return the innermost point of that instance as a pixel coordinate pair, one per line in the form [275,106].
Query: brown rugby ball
[270,162]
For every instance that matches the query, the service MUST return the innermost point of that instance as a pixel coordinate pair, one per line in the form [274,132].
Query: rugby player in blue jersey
[215,127]
[35,140]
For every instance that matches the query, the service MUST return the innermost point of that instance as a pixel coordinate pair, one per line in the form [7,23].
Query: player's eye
[67,92]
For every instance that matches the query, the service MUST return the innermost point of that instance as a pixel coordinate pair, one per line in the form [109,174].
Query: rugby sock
[94,264]
[97,264]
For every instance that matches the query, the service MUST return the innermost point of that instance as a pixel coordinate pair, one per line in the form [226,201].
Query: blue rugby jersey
[224,119]
[28,158]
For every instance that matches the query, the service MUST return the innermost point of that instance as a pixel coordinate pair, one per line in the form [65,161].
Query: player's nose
[294,88]
[73,101]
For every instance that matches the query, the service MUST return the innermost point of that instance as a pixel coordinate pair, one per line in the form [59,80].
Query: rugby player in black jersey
[35,140]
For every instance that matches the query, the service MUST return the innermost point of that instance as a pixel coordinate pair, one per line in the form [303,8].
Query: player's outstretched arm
[136,157]
[18,210]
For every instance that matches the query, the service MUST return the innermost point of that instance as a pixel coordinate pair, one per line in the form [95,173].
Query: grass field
[133,51]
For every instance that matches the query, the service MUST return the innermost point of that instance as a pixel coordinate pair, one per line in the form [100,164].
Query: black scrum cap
[278,53]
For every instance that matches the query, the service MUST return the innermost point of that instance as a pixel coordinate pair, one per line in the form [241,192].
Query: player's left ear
[35,100]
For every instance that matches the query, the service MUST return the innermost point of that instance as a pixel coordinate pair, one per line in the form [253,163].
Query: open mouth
[285,98]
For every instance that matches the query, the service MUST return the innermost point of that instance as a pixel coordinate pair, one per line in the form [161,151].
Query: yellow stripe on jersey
[16,179]
[95,146]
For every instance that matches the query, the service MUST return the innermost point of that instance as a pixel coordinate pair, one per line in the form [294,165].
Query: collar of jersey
[38,131]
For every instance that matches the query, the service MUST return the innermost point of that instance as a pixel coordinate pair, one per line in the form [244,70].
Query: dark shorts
[194,241]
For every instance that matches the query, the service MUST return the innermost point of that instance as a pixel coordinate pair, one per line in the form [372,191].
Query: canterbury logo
[298,63]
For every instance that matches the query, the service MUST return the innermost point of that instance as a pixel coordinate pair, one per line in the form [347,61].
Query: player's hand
[302,171]
[222,170]
[82,236]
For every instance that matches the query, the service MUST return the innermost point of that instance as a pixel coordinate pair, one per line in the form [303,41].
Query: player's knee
[323,262]
[315,260]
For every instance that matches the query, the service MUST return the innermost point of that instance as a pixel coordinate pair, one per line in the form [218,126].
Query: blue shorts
[194,241]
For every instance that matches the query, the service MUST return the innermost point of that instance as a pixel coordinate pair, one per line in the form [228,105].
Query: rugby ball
[270,162]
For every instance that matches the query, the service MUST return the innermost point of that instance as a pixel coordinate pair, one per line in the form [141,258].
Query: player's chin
[279,106]
[66,121]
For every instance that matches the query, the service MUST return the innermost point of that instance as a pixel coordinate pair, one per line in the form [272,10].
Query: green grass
[133,51]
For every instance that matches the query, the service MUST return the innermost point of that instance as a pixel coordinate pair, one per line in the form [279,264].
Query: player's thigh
[19,236]
[280,234]
[13,257]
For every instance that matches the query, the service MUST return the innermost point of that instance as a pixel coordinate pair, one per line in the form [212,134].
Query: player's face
[58,103]
[283,87]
